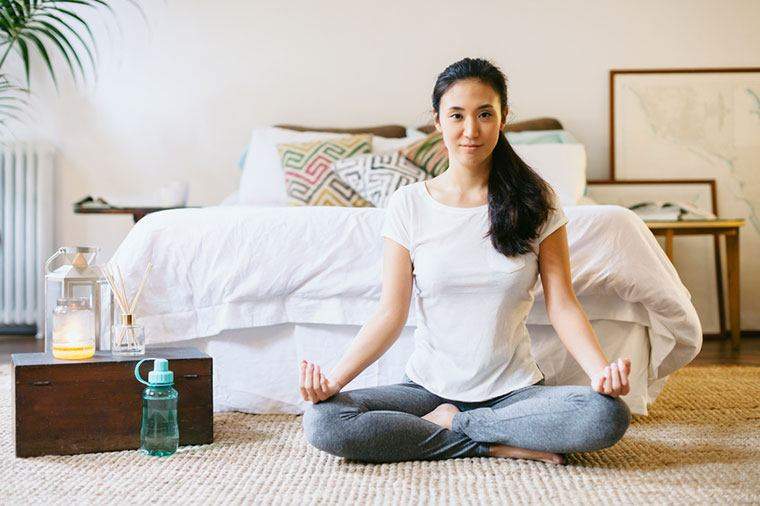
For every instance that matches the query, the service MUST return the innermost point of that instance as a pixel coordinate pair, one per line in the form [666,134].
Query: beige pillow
[309,176]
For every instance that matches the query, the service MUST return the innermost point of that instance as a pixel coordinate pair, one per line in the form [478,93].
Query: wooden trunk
[65,407]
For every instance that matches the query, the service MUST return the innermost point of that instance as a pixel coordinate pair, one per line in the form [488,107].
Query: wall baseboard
[744,333]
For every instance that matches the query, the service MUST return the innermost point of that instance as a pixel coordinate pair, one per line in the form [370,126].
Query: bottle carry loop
[160,376]
[137,371]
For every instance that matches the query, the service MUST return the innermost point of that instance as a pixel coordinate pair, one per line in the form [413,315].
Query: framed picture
[699,193]
[694,256]
[696,124]
[684,123]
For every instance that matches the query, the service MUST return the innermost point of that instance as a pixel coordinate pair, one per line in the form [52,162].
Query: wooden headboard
[519,126]
[399,131]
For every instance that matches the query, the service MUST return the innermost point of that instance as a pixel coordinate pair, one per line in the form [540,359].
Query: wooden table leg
[669,244]
[719,284]
[734,301]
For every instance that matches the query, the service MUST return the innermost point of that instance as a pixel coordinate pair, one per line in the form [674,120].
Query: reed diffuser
[126,338]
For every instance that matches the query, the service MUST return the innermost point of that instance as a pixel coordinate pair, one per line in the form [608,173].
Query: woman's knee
[323,425]
[609,420]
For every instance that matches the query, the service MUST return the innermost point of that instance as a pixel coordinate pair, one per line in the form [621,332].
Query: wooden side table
[66,407]
[137,213]
[729,229]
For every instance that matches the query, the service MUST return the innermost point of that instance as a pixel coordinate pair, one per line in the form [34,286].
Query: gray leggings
[383,424]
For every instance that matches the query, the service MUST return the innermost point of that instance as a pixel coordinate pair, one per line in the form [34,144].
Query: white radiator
[26,231]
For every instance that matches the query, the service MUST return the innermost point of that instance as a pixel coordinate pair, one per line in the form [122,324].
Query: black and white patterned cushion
[376,177]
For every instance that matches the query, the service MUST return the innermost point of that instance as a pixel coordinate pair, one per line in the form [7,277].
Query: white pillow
[231,199]
[563,166]
[263,180]
[386,145]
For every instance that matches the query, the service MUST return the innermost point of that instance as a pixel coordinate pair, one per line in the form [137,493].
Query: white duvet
[223,268]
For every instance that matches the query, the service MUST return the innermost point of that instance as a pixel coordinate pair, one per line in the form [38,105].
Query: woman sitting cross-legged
[470,244]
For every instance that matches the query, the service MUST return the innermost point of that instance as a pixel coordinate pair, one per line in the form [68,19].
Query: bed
[259,285]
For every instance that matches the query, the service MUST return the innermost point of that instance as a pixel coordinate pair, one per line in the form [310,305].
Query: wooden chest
[65,407]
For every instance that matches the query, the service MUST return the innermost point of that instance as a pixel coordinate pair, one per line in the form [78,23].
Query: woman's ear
[436,122]
[504,119]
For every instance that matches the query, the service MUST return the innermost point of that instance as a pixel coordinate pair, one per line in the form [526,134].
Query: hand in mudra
[314,385]
[613,379]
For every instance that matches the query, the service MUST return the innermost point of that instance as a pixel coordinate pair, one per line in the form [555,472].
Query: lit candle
[73,329]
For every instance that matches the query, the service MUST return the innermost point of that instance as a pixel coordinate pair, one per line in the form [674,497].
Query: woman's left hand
[613,379]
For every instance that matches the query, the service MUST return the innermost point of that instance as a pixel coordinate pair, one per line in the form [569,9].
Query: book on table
[670,211]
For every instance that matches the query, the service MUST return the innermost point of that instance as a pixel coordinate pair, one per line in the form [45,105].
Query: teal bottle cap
[160,375]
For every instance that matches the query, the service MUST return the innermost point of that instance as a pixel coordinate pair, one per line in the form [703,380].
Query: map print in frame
[696,124]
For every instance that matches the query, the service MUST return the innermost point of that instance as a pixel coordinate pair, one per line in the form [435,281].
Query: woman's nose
[471,128]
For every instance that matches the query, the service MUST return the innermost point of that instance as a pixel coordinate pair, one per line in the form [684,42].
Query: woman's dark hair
[519,200]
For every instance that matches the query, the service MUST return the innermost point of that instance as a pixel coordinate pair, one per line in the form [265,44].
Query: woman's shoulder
[407,193]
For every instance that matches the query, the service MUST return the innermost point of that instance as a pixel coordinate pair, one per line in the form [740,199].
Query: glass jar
[73,329]
[127,339]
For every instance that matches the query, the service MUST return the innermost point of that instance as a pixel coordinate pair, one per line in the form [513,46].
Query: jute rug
[699,445]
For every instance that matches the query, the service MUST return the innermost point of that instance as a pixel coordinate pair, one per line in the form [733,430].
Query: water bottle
[159,432]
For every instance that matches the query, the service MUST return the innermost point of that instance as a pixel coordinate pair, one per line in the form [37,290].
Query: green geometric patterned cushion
[429,154]
[309,178]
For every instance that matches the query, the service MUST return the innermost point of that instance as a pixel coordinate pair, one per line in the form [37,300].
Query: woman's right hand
[315,386]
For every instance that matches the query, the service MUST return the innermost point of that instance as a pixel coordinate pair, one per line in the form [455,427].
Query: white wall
[177,99]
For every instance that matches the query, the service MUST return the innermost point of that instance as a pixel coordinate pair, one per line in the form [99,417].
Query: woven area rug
[701,444]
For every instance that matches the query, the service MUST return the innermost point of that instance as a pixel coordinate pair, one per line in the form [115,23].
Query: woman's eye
[457,115]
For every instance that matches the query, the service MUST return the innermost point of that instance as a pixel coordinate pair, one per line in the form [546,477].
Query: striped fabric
[429,154]
[376,177]
[309,176]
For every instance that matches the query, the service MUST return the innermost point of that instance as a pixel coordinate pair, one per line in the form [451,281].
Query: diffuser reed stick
[115,279]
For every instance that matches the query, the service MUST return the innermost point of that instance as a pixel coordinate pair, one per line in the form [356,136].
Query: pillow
[563,166]
[309,177]
[263,182]
[429,154]
[376,177]
[384,131]
[412,131]
[541,137]
[230,200]
[385,145]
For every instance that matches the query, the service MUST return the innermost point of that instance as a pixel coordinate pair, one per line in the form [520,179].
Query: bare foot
[497,450]
[442,415]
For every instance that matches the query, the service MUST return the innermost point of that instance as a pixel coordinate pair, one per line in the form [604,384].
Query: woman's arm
[376,336]
[570,321]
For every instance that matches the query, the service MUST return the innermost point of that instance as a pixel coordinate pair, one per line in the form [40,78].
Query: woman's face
[470,119]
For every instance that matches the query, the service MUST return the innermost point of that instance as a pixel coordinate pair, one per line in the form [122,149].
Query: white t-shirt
[471,342]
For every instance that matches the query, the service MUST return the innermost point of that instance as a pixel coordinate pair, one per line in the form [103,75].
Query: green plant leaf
[82,22]
[76,35]
[44,27]
[60,40]
[12,102]
[24,50]
[43,53]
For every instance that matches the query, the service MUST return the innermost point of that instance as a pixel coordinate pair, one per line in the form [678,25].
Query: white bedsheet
[223,268]
[256,369]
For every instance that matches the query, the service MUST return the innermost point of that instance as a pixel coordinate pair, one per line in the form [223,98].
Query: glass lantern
[71,273]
